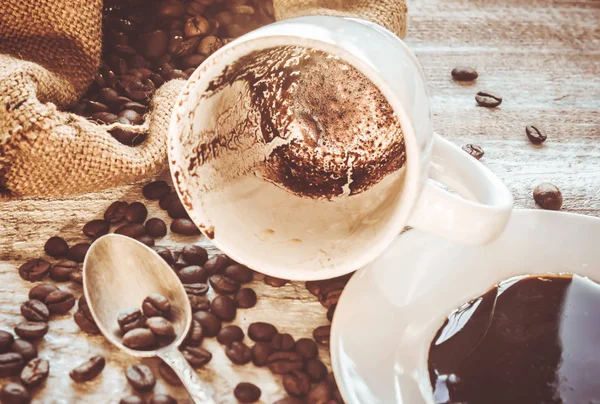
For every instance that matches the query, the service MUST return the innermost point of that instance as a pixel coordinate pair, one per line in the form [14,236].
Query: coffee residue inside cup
[527,340]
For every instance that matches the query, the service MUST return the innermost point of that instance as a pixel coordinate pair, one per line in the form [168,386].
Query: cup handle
[477,218]
[199,392]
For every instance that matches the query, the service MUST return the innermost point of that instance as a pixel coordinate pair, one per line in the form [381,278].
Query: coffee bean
[76,276]
[224,284]
[223,307]
[106,118]
[156,228]
[6,339]
[535,134]
[147,240]
[115,213]
[307,348]
[194,255]
[488,99]
[153,44]
[196,289]
[197,357]
[39,292]
[464,74]
[196,26]
[140,377]
[162,399]
[34,310]
[296,383]
[315,369]
[85,323]
[78,251]
[132,230]
[209,45]
[245,298]
[61,271]
[136,213]
[156,305]
[216,263]
[139,338]
[89,369]
[176,210]
[56,247]
[228,335]
[165,254]
[131,400]
[169,374]
[548,196]
[290,400]
[320,393]
[193,274]
[198,303]
[60,301]
[260,331]
[239,353]
[127,137]
[246,392]
[239,273]
[274,282]
[24,348]
[314,287]
[261,352]
[184,227]
[131,318]
[96,228]
[284,362]
[95,106]
[134,106]
[161,326]
[170,9]
[34,270]
[30,330]
[330,312]
[209,322]
[35,372]
[13,393]
[195,335]
[283,342]
[167,199]
[321,334]
[195,9]
[473,150]
[10,364]
[337,396]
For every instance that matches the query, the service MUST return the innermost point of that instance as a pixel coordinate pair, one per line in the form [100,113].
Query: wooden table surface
[543,57]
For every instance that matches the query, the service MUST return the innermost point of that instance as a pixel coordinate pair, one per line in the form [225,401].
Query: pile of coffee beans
[149,42]
[149,327]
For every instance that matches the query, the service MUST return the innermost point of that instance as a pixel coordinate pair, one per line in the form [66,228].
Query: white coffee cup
[282,234]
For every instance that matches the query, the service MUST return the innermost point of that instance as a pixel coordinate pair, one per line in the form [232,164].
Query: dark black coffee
[527,340]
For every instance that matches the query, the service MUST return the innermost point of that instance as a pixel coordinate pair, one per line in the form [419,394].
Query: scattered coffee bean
[195,335]
[199,303]
[61,271]
[10,364]
[321,334]
[274,282]
[196,289]
[39,292]
[131,400]
[316,370]
[296,383]
[194,255]
[184,227]
[136,213]
[147,240]
[34,270]
[166,200]
[96,228]
[24,348]
[196,356]
[13,393]
[464,74]
[320,393]
[193,274]
[161,326]
[228,335]
[131,318]
[76,276]
[209,322]
[116,212]
[156,190]
[474,150]
[239,273]
[78,251]
[224,284]
[307,348]
[260,331]
[535,134]
[140,377]
[35,372]
[488,99]
[88,370]
[330,312]
[246,392]
[6,340]
[85,323]
[176,210]
[261,352]
[34,310]
[30,330]
[162,399]
[56,247]
[156,228]
[132,230]
[239,353]
[169,374]
[156,305]
[139,338]
[216,263]
[245,298]
[283,342]
[223,307]
[165,254]
[284,362]
[60,301]
[548,196]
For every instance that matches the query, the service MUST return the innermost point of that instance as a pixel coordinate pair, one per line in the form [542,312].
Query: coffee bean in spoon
[156,228]
[246,392]
[474,150]
[488,99]
[35,372]
[224,284]
[168,374]
[34,310]
[131,318]
[31,330]
[548,196]
[239,273]
[464,74]
[196,356]
[34,270]
[60,301]
[156,190]
[140,377]
[296,383]
[136,213]
[194,255]
[260,331]
[6,339]
[193,274]
[139,338]
[223,307]
[24,348]
[536,134]
[132,230]
[245,298]
[78,251]
[156,305]
[56,247]
[195,335]
[185,227]
[10,364]
[209,322]
[61,271]
[160,326]
[96,228]
[88,370]
[14,393]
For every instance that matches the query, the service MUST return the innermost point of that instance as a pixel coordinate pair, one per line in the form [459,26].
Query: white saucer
[391,309]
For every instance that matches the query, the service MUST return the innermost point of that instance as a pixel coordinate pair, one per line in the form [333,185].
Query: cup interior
[289,158]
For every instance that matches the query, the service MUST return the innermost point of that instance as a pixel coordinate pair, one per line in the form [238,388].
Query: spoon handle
[199,391]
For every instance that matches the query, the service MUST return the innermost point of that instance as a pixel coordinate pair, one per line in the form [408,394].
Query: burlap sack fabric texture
[49,53]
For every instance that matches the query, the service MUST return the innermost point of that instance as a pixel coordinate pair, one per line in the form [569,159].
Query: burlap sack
[49,53]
